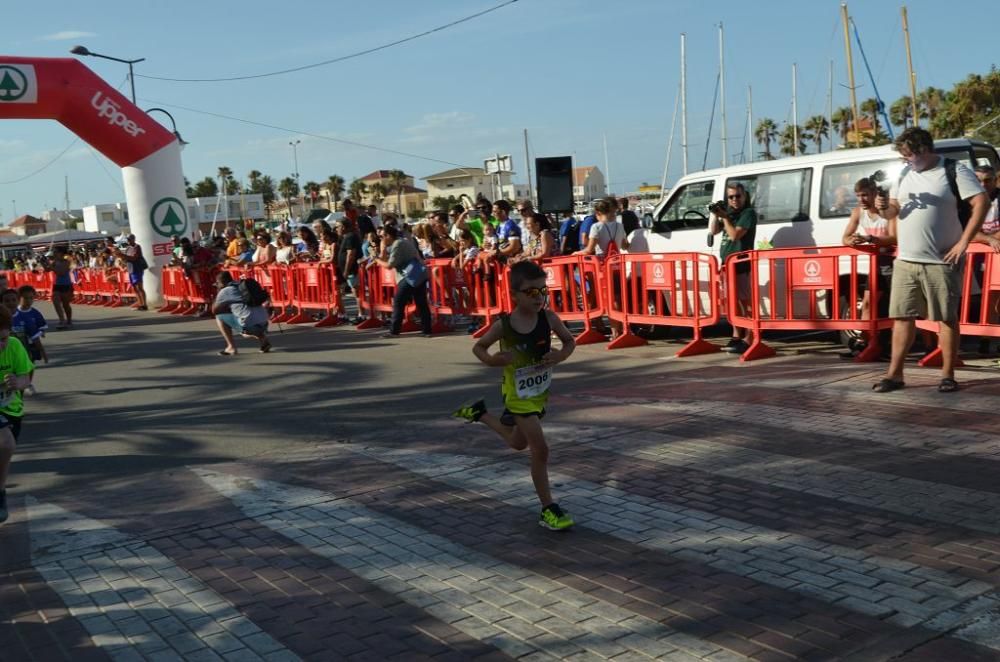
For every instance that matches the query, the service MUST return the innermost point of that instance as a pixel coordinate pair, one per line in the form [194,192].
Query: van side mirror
[647,220]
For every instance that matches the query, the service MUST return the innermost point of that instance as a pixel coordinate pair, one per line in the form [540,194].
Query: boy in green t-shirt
[527,357]
[15,374]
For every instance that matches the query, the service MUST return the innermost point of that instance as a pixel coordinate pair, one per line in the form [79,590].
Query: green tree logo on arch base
[169,217]
[12,87]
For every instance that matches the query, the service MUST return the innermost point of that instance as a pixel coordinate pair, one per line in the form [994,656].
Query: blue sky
[568,71]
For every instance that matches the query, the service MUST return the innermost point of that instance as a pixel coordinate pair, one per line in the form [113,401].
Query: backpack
[570,231]
[252,293]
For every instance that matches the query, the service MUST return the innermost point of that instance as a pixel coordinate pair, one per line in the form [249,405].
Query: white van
[800,201]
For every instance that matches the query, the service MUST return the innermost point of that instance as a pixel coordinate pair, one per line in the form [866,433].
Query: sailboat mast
[909,65]
[850,75]
[750,121]
[670,145]
[607,168]
[829,106]
[795,112]
[722,95]
[684,108]
[527,163]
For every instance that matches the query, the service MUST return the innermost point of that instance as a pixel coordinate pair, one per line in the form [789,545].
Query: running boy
[527,357]
[15,375]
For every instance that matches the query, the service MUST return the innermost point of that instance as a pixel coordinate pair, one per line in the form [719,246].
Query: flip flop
[947,385]
[224,352]
[887,385]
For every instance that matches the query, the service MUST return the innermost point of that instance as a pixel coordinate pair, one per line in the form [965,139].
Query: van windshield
[688,207]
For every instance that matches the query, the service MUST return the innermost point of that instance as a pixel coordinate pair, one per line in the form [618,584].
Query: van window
[688,208]
[836,191]
[778,196]
[986,156]
[960,154]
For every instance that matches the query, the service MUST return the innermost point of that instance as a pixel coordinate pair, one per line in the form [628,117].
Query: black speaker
[554,183]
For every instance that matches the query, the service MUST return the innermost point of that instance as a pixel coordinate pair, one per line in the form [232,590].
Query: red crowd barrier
[804,289]
[315,287]
[377,286]
[174,286]
[663,289]
[576,292]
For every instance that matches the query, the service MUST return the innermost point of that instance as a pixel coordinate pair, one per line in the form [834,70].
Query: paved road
[316,503]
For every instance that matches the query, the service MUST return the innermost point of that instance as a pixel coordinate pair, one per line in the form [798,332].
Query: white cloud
[432,122]
[67,35]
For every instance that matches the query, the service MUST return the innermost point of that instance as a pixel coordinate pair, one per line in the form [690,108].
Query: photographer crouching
[737,220]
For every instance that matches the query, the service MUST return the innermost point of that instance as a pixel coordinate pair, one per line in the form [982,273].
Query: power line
[336,59]
[306,133]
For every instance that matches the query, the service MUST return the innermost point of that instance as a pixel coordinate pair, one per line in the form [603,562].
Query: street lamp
[177,134]
[83,50]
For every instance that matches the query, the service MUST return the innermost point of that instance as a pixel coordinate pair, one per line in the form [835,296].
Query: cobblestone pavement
[774,511]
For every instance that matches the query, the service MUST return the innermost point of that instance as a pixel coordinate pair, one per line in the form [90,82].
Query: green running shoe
[471,411]
[554,518]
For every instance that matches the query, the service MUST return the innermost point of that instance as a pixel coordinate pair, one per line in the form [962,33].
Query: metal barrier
[803,289]
[576,292]
[663,289]
[315,287]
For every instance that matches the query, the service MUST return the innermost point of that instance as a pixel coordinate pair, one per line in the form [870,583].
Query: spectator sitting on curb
[233,314]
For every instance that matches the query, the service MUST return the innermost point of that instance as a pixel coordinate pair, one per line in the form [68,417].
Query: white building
[588,184]
[113,218]
[56,219]
[107,219]
[472,182]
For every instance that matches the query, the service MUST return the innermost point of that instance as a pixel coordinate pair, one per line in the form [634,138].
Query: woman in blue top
[62,289]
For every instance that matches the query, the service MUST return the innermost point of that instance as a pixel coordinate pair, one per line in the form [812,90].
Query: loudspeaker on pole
[554,183]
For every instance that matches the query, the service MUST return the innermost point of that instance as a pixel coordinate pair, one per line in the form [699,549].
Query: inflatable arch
[149,155]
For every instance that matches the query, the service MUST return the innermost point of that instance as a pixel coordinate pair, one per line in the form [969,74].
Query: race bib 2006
[532,380]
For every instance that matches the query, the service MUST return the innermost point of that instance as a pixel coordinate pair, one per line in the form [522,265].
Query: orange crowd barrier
[173,282]
[576,292]
[804,289]
[315,287]
[448,293]
[377,286]
[663,289]
[487,285]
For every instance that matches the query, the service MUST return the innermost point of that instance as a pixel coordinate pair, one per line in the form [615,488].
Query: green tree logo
[169,217]
[13,83]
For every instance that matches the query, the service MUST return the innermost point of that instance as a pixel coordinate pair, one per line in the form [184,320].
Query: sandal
[887,385]
[947,385]
[226,352]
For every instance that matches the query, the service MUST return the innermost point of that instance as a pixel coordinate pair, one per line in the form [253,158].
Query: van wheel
[851,337]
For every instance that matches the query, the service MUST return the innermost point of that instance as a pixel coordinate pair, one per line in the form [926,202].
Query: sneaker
[3,506]
[554,518]
[736,346]
[471,411]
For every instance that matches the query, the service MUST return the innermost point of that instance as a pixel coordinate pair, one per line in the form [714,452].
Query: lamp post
[177,134]
[295,155]
[83,50]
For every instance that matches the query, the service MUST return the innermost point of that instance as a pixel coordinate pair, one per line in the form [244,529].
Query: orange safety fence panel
[315,287]
[804,289]
[664,289]
[576,284]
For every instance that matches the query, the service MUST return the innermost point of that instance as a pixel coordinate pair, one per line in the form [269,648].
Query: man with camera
[932,239]
[737,220]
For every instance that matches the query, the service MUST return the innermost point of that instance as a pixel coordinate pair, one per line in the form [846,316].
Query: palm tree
[377,191]
[206,188]
[930,102]
[871,108]
[766,132]
[397,183]
[900,112]
[224,174]
[288,190]
[787,140]
[311,189]
[843,119]
[254,177]
[265,186]
[357,190]
[334,190]
[817,127]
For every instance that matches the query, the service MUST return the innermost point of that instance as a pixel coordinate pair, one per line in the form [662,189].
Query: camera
[718,208]
[881,181]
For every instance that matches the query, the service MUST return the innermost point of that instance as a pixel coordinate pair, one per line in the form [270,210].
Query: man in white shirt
[931,241]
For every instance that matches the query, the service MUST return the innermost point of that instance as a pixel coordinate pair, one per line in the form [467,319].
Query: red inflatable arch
[63,89]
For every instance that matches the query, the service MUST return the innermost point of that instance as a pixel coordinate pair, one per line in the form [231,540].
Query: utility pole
[909,66]
[527,162]
[607,168]
[750,121]
[850,75]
